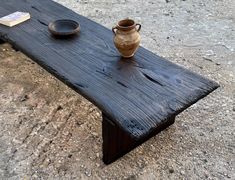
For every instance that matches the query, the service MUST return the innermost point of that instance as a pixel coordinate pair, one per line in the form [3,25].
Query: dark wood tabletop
[138,94]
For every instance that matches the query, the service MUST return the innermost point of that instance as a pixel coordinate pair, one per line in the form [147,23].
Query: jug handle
[113,29]
[139,28]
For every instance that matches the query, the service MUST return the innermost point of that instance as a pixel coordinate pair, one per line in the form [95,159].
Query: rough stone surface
[47,131]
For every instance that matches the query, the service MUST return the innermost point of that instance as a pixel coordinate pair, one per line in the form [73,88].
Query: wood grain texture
[139,95]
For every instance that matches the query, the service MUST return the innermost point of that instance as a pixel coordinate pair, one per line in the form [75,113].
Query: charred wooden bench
[138,97]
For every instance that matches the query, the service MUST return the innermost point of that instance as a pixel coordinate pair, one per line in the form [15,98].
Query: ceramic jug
[127,37]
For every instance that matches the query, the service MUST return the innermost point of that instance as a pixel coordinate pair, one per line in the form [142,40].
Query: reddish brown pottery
[127,37]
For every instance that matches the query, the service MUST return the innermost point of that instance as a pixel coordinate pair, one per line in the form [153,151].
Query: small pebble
[94,134]
[210,53]
[171,170]
[88,173]
[59,107]
[201,134]
[24,98]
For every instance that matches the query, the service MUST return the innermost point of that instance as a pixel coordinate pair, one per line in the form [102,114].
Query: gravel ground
[47,131]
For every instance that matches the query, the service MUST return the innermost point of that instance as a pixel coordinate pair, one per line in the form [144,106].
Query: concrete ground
[47,131]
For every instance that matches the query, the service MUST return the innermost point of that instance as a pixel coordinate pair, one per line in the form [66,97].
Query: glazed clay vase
[127,37]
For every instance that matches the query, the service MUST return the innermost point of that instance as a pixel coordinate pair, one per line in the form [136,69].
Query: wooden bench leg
[117,142]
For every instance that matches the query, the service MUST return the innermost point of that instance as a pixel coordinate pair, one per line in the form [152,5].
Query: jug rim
[126,24]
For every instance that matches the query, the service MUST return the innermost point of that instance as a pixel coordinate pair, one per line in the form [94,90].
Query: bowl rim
[58,33]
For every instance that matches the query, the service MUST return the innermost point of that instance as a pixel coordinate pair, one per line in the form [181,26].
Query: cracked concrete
[47,131]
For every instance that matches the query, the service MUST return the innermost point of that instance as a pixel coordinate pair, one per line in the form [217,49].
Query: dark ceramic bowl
[64,27]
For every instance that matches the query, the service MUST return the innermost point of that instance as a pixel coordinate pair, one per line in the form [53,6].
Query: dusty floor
[49,132]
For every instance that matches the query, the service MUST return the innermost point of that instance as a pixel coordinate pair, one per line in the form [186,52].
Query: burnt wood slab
[1,41]
[138,95]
